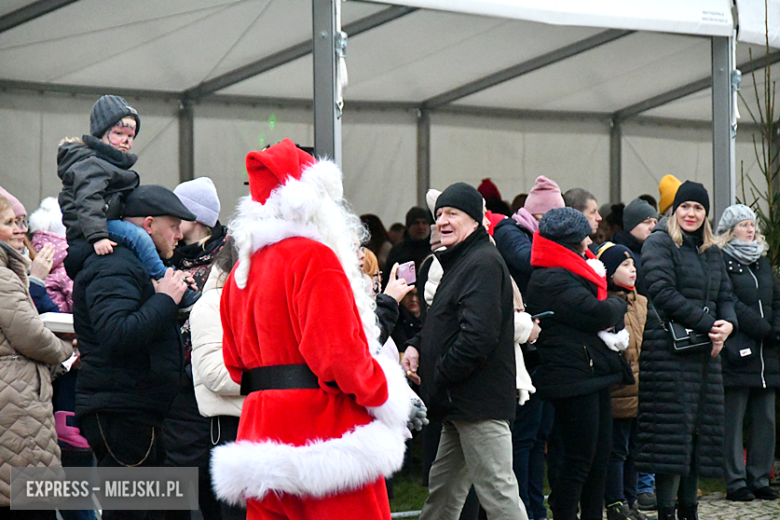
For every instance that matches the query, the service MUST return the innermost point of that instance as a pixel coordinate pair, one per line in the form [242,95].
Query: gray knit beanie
[733,215]
[200,197]
[564,225]
[464,197]
[637,212]
[108,111]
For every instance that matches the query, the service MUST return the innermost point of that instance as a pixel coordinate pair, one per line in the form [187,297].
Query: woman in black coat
[577,366]
[681,415]
[751,371]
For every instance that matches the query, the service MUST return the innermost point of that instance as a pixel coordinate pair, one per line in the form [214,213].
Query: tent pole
[423,155]
[327,113]
[723,134]
[186,141]
[615,161]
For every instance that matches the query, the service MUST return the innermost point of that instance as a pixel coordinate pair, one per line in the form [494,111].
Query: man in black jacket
[129,339]
[467,366]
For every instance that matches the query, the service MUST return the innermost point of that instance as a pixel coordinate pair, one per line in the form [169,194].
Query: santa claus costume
[325,419]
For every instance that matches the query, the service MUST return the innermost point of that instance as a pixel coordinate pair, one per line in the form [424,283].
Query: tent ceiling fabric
[174,46]
[9,6]
[704,17]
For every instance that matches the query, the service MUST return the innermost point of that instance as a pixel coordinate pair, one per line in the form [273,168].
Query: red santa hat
[286,187]
[273,167]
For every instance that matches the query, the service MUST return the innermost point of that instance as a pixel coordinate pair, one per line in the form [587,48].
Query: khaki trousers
[479,454]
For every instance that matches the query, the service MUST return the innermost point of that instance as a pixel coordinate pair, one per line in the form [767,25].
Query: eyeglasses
[22,223]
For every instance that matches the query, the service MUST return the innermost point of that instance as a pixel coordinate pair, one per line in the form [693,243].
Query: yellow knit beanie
[667,188]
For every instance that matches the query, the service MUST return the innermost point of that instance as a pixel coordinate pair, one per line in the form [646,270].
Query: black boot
[666,513]
[688,512]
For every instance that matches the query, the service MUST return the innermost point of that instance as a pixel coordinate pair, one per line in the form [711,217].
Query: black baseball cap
[155,201]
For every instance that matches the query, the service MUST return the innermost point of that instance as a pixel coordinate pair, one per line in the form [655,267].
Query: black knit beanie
[565,226]
[693,192]
[464,197]
[612,255]
[415,213]
[107,111]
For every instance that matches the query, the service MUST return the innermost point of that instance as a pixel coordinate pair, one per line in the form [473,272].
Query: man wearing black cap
[639,219]
[129,339]
[467,366]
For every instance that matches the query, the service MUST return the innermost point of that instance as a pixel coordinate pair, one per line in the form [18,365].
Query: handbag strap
[706,294]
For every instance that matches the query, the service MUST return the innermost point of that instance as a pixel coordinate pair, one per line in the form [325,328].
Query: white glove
[617,341]
[523,396]
[419,415]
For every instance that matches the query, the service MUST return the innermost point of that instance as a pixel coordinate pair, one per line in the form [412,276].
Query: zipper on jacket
[590,359]
[761,345]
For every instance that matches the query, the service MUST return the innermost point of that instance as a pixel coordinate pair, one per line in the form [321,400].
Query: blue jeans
[645,482]
[621,471]
[138,241]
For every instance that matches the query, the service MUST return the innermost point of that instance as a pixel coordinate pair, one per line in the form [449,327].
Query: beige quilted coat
[27,436]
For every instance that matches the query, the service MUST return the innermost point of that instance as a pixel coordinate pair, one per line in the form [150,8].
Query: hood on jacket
[13,260]
[60,244]
[74,149]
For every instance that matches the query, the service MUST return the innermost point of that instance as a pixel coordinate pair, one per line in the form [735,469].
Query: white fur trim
[326,176]
[597,266]
[243,469]
[524,325]
[396,410]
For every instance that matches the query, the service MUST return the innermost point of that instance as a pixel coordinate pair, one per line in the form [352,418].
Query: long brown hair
[226,259]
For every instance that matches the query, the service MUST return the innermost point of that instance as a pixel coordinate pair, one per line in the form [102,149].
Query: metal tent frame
[324,45]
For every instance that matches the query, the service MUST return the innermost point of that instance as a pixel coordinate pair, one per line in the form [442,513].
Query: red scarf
[546,253]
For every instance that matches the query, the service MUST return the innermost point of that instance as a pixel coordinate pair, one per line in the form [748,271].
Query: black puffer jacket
[673,406]
[749,358]
[575,361]
[95,181]
[129,339]
[514,243]
[467,359]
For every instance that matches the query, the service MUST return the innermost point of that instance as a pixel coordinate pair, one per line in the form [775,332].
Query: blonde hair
[674,230]
[370,263]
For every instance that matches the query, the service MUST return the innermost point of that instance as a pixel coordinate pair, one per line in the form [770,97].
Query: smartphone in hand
[407,272]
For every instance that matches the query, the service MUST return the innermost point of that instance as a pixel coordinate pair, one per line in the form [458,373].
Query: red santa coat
[323,451]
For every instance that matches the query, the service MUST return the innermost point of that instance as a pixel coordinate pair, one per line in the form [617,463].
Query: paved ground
[716,507]
[711,507]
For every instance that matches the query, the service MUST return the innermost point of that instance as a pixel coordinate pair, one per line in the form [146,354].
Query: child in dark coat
[96,179]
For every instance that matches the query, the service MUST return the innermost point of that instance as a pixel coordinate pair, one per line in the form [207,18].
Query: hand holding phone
[407,272]
[542,315]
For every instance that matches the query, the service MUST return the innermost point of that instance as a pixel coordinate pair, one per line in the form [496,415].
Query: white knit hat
[733,215]
[200,197]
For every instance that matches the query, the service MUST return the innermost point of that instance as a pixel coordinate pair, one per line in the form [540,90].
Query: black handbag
[686,340]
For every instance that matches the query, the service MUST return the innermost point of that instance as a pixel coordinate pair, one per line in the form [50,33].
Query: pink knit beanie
[544,196]
[19,210]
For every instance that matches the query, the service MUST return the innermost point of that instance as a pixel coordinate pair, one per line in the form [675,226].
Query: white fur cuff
[396,410]
[243,470]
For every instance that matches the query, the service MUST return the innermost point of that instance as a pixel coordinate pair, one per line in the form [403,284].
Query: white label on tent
[701,17]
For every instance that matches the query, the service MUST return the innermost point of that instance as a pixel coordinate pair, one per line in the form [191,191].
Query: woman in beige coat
[27,349]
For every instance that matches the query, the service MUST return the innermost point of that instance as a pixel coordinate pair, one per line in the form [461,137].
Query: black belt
[278,377]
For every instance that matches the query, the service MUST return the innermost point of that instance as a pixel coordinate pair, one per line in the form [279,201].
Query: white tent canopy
[433,96]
